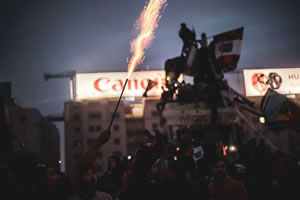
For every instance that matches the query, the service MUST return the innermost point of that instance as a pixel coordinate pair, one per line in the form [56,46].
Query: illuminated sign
[109,85]
[283,81]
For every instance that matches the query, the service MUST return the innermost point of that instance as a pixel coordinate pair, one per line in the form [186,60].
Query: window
[116,127]
[117,116]
[99,155]
[94,115]
[128,110]
[140,132]
[116,141]
[76,156]
[98,128]
[76,105]
[154,126]
[130,133]
[95,103]
[76,117]
[91,141]
[131,145]
[77,129]
[78,143]
[155,114]
[91,128]
[23,119]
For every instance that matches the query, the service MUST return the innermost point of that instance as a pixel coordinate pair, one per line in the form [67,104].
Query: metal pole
[71,90]
[112,119]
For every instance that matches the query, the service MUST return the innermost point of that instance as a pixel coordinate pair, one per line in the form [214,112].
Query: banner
[281,80]
[187,114]
[109,85]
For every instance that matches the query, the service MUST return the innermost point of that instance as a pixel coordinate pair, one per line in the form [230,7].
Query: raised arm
[88,158]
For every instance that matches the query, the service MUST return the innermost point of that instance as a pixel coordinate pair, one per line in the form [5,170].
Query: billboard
[281,80]
[110,84]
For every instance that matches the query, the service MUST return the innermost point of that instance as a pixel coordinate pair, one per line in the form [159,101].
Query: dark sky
[56,36]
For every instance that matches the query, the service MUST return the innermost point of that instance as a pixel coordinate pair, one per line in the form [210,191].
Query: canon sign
[109,85]
[105,84]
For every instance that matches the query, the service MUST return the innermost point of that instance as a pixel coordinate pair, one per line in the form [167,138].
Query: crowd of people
[162,170]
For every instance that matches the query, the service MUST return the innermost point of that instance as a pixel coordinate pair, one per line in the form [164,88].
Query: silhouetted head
[183,25]
[46,176]
[144,158]
[88,179]
[219,168]
[186,148]
[114,162]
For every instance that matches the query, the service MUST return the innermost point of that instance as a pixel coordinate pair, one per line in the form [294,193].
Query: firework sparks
[147,23]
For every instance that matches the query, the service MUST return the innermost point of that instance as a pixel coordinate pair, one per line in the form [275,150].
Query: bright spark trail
[147,23]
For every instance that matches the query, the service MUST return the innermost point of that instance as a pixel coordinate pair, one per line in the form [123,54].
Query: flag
[227,48]
[150,85]
[278,108]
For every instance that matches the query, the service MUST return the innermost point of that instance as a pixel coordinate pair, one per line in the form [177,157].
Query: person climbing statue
[187,37]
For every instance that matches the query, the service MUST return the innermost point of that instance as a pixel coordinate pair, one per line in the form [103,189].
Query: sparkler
[146,23]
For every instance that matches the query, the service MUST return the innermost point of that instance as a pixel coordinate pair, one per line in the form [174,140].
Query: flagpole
[114,114]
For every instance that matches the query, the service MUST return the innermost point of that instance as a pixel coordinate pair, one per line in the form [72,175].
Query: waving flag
[278,108]
[151,84]
[227,48]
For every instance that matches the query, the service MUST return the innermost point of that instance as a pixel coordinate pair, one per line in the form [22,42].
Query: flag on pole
[278,108]
[151,84]
[227,48]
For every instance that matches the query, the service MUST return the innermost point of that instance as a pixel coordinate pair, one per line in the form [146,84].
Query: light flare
[147,23]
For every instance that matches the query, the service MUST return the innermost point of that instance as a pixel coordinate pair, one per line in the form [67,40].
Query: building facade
[85,120]
[31,132]
[97,95]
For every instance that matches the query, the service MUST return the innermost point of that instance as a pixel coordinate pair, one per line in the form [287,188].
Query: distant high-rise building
[97,96]
[32,132]
[85,120]
[29,131]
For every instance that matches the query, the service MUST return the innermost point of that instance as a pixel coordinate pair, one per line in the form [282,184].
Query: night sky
[55,36]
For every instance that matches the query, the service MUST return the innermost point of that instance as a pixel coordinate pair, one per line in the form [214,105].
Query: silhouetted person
[187,37]
[111,181]
[203,41]
[88,187]
[222,186]
[166,96]
[284,183]
[50,185]
[142,185]
[186,171]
